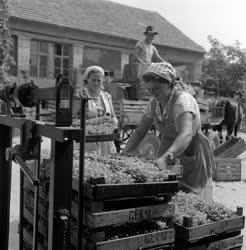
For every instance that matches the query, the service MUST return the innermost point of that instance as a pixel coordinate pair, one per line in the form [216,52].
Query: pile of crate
[117,216]
[228,166]
[122,216]
[220,235]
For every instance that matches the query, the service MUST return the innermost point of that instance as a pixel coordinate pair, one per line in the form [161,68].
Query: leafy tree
[224,67]
[5,59]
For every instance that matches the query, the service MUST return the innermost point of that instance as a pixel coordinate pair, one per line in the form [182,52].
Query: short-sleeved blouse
[185,103]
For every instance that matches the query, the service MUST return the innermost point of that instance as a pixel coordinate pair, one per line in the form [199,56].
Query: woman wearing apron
[101,105]
[176,116]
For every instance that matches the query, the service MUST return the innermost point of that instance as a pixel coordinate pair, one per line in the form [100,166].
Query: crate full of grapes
[148,235]
[122,176]
[196,219]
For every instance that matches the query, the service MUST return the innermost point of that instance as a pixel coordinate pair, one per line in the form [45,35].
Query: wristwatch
[171,156]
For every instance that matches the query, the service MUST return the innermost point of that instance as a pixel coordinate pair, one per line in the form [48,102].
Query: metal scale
[62,136]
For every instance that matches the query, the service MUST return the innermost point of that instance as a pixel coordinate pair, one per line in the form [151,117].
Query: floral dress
[197,159]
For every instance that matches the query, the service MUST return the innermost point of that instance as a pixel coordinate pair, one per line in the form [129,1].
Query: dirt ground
[231,194]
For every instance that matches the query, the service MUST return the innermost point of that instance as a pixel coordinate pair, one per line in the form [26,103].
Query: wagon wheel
[214,140]
[149,146]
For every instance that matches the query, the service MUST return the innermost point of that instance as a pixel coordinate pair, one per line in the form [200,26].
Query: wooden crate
[101,221]
[124,216]
[226,243]
[107,191]
[195,233]
[231,148]
[153,240]
[131,112]
[228,169]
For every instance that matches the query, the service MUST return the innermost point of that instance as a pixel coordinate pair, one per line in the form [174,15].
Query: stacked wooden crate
[123,216]
[219,235]
[228,167]
[117,216]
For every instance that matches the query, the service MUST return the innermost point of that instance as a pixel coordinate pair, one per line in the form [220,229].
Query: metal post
[36,190]
[60,192]
[5,186]
[21,214]
[80,221]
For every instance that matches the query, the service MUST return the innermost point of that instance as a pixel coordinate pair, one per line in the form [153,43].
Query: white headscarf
[92,68]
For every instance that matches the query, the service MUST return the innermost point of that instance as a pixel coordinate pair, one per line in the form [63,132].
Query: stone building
[65,36]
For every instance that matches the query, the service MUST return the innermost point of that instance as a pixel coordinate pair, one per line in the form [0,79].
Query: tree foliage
[5,59]
[224,67]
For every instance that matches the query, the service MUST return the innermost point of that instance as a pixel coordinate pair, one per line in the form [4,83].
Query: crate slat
[160,239]
[107,191]
[121,217]
[208,230]
[134,242]
[224,244]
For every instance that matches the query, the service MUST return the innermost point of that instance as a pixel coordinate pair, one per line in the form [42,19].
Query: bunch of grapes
[115,168]
[98,125]
[202,212]
[129,169]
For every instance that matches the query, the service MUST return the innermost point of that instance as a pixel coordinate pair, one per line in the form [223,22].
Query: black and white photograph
[122,124]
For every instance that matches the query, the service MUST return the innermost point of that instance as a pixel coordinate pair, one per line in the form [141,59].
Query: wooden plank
[43,229]
[107,191]
[28,238]
[225,244]
[121,217]
[211,229]
[124,101]
[105,137]
[42,208]
[124,203]
[226,145]
[139,242]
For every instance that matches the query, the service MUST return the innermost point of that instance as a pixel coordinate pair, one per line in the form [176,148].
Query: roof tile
[104,17]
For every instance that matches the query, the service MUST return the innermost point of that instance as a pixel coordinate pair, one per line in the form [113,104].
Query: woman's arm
[138,135]
[181,142]
[185,130]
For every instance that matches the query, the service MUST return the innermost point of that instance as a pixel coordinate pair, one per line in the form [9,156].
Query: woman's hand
[162,162]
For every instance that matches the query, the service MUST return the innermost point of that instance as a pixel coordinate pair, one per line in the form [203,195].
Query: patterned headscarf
[164,70]
[92,68]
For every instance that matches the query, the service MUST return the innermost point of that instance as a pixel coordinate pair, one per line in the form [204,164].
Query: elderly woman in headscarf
[175,114]
[100,105]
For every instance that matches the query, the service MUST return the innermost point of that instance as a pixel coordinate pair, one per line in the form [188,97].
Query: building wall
[87,48]
[109,60]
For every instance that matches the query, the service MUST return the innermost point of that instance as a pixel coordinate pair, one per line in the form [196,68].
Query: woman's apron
[197,159]
[102,148]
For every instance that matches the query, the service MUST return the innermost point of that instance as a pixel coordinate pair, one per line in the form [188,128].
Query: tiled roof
[104,17]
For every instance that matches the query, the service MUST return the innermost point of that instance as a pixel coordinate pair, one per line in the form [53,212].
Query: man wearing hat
[146,52]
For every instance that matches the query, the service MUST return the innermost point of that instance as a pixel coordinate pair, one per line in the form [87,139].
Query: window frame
[38,53]
[62,57]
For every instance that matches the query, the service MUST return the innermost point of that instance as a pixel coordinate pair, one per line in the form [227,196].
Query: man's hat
[150,29]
